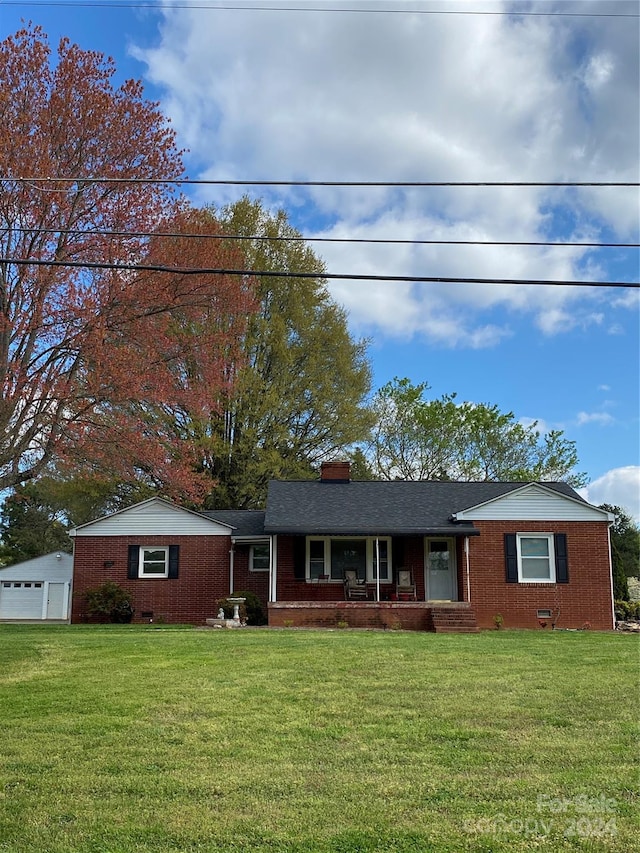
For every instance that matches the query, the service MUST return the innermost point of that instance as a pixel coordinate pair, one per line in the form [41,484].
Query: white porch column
[466,554]
[273,568]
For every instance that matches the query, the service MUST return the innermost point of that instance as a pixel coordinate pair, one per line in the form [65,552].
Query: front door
[440,570]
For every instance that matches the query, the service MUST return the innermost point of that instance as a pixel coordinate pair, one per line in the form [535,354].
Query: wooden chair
[405,585]
[353,589]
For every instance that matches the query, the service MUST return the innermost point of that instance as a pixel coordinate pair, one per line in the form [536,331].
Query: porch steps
[454,620]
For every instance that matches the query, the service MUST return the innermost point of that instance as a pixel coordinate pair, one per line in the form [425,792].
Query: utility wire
[224,8]
[303,239]
[259,183]
[309,275]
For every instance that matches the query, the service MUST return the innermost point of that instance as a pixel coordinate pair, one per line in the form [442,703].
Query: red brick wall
[585,599]
[351,614]
[203,576]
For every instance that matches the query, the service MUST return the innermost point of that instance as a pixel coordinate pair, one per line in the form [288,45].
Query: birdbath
[236,607]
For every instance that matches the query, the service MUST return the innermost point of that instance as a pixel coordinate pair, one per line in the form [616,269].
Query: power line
[328,10]
[303,239]
[261,183]
[309,275]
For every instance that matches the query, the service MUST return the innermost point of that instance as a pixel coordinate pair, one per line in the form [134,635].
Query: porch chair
[405,585]
[353,589]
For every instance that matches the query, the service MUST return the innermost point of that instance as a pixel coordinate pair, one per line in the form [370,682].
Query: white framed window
[153,562]
[536,560]
[332,556]
[259,557]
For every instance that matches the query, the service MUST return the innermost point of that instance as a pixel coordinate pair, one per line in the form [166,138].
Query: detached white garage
[38,589]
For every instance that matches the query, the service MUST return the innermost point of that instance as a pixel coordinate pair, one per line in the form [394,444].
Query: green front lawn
[128,738]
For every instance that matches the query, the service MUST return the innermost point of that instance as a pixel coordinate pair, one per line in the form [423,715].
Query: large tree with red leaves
[98,366]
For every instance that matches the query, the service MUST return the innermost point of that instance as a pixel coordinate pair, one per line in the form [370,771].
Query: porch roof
[396,507]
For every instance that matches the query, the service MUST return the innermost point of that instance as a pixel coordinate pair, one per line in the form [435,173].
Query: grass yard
[127,738]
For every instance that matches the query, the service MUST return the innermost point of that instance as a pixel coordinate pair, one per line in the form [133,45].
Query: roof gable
[153,517]
[533,502]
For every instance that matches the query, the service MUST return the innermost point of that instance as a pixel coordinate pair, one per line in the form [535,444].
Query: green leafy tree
[625,550]
[31,524]
[441,439]
[300,393]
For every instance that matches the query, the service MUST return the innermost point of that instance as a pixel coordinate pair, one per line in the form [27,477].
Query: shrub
[627,610]
[109,602]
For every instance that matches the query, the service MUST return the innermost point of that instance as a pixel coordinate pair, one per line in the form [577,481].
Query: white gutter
[231,566]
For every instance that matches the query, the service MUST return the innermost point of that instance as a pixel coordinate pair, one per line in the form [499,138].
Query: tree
[441,439]
[301,394]
[90,357]
[625,550]
[31,524]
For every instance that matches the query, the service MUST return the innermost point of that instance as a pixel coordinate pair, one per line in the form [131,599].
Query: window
[332,557]
[153,563]
[316,559]
[535,558]
[259,558]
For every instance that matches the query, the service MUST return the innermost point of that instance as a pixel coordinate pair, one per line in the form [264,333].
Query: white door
[440,569]
[56,602]
[21,599]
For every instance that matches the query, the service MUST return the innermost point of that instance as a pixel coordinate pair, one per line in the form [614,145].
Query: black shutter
[299,558]
[562,564]
[173,560]
[511,557]
[132,565]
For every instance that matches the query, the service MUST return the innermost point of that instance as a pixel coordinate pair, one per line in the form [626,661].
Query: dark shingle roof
[246,522]
[375,507]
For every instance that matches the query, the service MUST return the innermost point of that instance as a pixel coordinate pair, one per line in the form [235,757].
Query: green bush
[252,610]
[627,610]
[109,603]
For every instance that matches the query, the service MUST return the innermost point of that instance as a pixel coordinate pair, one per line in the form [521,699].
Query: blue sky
[393,96]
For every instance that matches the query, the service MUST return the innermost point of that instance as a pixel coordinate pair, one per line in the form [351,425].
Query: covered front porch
[374,569]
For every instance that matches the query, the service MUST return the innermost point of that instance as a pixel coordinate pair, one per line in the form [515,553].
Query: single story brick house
[334,551]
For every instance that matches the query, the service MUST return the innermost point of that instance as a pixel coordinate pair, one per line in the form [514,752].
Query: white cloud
[322,96]
[601,418]
[619,487]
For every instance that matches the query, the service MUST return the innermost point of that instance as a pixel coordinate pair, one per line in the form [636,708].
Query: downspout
[613,603]
[231,562]
[466,552]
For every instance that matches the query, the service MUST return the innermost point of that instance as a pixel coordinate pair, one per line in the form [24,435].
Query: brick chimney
[335,472]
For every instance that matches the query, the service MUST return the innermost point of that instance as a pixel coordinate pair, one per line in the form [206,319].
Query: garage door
[21,599]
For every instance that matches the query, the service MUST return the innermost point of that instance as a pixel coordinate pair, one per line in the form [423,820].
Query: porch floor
[438,616]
